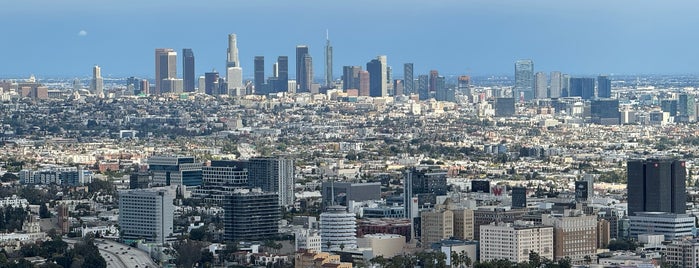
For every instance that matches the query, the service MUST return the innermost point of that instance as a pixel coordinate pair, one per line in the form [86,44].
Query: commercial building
[340,193]
[273,174]
[524,79]
[656,185]
[188,70]
[604,87]
[488,215]
[165,67]
[582,87]
[97,84]
[671,225]
[146,214]
[304,69]
[605,111]
[220,180]
[312,259]
[683,253]
[575,235]
[250,214]
[514,241]
[175,170]
[338,229]
[436,225]
[504,107]
[408,79]
[378,77]
[386,245]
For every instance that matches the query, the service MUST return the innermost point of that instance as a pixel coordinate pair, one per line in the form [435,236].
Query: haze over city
[65,38]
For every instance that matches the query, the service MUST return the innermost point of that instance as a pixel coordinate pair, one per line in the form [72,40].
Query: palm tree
[455,259]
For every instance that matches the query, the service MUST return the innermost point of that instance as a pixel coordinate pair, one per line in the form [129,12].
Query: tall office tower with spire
[377,77]
[97,85]
[188,69]
[304,69]
[604,87]
[408,82]
[165,67]
[541,86]
[260,75]
[328,62]
[556,85]
[524,79]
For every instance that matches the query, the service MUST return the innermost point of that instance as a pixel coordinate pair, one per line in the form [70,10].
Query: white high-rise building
[146,214]
[513,242]
[308,239]
[232,59]
[97,86]
[541,87]
[202,84]
[338,229]
[234,80]
[556,85]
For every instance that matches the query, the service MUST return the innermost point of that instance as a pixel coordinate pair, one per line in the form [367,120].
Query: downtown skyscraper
[378,77]
[604,87]
[234,73]
[304,69]
[188,69]
[656,185]
[524,79]
[408,81]
[329,83]
[97,84]
[259,81]
[165,67]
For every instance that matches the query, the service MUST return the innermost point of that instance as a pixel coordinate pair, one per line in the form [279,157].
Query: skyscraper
[541,86]
[328,63]
[97,85]
[364,82]
[165,67]
[260,75]
[408,80]
[304,69]
[188,69]
[251,215]
[555,88]
[234,72]
[211,86]
[282,75]
[232,59]
[582,87]
[350,77]
[656,185]
[604,87]
[273,174]
[422,87]
[146,214]
[377,77]
[433,80]
[524,79]
[686,108]
[425,183]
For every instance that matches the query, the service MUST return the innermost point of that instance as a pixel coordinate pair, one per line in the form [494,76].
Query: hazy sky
[65,38]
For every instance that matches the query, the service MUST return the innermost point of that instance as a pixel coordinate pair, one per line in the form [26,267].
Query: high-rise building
[133,85]
[464,85]
[686,108]
[377,77]
[425,183]
[574,235]
[656,185]
[541,87]
[175,170]
[97,86]
[672,226]
[488,215]
[519,197]
[434,74]
[605,111]
[524,79]
[338,229]
[273,174]
[211,86]
[514,241]
[340,193]
[683,253]
[260,75]
[565,85]
[188,70]
[555,90]
[251,215]
[232,53]
[604,87]
[504,106]
[408,80]
[436,225]
[275,69]
[328,63]
[282,75]
[350,77]
[304,69]
[364,83]
[398,87]
[145,87]
[146,214]
[423,86]
[221,179]
[234,81]
[582,87]
[165,67]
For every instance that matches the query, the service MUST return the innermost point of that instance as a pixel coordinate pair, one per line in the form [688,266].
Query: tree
[534,259]
[44,211]
[197,234]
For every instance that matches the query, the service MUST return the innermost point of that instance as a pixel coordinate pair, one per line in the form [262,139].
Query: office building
[221,179]
[165,67]
[377,77]
[556,88]
[671,225]
[583,191]
[259,66]
[386,245]
[519,197]
[423,87]
[133,85]
[574,235]
[364,83]
[514,241]
[540,86]
[603,233]
[463,223]
[605,111]
[304,69]
[504,107]
[686,108]
[408,80]
[188,70]
[425,183]
[312,259]
[338,229]
[656,185]
[232,52]
[464,86]
[139,180]
[436,225]
[682,253]
[398,87]
[669,106]
[171,85]
[350,77]
[329,82]
[211,86]
[97,85]
[273,174]
[146,214]
[145,87]
[565,85]
[308,239]
[582,87]
[433,81]
[604,87]
[175,170]
[234,81]
[487,215]
[250,214]
[280,79]
[524,79]
[340,193]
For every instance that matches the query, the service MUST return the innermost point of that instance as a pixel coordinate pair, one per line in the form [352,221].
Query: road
[121,256]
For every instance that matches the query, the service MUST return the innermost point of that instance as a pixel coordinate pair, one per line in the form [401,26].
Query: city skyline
[556,36]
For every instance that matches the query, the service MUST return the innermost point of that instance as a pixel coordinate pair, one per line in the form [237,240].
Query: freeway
[121,256]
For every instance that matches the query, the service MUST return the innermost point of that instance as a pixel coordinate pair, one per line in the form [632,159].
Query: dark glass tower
[408,80]
[656,185]
[260,75]
[604,87]
[376,74]
[519,197]
[188,69]
[582,87]
[304,69]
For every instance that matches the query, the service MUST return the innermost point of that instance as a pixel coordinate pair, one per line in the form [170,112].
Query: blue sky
[453,36]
